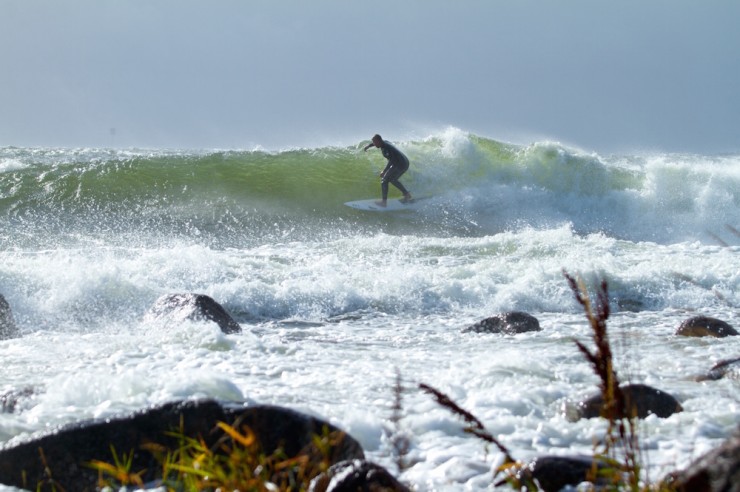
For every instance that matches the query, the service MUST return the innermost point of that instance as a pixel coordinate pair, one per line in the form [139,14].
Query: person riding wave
[397,164]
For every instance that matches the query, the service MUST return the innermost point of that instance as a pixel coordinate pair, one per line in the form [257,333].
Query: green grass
[235,462]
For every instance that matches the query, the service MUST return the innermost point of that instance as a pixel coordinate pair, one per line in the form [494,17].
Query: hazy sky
[602,75]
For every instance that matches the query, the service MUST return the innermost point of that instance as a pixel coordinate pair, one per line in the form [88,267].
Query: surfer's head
[377,140]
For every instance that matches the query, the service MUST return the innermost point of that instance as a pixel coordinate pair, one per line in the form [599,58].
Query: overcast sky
[602,75]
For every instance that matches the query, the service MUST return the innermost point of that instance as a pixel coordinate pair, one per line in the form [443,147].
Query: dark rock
[10,399]
[631,305]
[640,401]
[704,326]
[509,323]
[553,473]
[729,369]
[356,476]
[193,307]
[67,450]
[716,471]
[8,329]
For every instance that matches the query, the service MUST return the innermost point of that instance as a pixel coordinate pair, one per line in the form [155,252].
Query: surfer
[397,165]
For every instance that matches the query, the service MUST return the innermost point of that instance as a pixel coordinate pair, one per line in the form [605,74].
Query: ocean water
[335,302]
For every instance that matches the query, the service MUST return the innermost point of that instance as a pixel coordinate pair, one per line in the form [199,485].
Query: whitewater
[335,302]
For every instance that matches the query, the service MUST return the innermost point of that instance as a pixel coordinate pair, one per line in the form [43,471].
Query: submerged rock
[705,326]
[68,450]
[509,323]
[10,400]
[356,475]
[554,473]
[8,329]
[729,369]
[193,307]
[640,401]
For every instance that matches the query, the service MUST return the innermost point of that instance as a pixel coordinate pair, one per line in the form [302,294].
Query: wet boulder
[640,401]
[356,475]
[11,399]
[193,307]
[554,473]
[729,369]
[8,328]
[705,326]
[508,323]
[716,471]
[68,450]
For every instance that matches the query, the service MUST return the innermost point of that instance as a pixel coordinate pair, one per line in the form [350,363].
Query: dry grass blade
[475,426]
[622,428]
[247,439]
[48,478]
[601,359]
[398,439]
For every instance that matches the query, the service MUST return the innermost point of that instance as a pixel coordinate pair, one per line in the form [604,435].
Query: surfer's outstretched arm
[377,141]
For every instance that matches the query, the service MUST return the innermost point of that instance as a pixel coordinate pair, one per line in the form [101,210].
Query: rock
[509,323]
[729,369]
[356,476]
[553,473]
[716,471]
[8,329]
[193,307]
[704,326]
[641,401]
[631,305]
[67,450]
[10,399]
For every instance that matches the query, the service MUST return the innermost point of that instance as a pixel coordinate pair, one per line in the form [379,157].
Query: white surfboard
[393,205]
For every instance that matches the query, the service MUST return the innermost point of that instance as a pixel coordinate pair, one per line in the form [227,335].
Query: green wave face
[307,178]
[477,186]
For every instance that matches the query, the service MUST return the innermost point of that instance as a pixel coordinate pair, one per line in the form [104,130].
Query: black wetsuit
[397,165]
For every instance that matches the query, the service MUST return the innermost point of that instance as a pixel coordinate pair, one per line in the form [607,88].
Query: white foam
[328,321]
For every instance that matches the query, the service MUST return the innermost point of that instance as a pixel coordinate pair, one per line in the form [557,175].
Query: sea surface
[334,303]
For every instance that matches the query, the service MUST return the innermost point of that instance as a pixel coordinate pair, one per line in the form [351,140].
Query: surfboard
[393,205]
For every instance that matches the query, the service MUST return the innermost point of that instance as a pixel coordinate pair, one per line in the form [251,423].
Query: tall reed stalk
[620,447]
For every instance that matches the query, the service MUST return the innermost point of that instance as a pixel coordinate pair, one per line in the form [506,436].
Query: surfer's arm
[368,146]
[385,170]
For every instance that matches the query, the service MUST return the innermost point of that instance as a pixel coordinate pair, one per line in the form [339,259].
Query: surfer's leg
[392,177]
[406,195]
[384,189]
[403,189]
